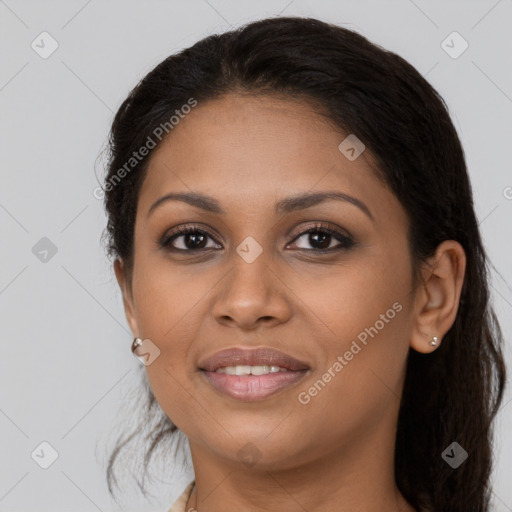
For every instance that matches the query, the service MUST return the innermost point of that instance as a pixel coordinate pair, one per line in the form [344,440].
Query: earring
[433,341]
[136,343]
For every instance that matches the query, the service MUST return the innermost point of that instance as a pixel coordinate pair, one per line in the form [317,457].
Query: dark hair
[452,394]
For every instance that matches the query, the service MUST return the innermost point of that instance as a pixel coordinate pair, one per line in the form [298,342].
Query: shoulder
[180,504]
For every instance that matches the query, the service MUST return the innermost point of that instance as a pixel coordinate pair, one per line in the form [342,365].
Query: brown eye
[323,239]
[187,239]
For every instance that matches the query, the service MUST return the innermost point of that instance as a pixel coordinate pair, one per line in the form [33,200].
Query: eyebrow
[287,205]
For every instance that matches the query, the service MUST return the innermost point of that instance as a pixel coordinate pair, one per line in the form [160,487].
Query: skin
[336,451]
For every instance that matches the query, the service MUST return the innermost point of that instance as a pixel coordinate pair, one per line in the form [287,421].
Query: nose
[253,295]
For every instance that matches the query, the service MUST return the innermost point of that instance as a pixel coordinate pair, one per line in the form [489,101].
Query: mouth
[252,374]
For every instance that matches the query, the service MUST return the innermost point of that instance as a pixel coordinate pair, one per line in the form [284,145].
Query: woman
[292,228]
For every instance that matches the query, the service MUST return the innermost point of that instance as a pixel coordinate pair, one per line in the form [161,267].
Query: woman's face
[253,277]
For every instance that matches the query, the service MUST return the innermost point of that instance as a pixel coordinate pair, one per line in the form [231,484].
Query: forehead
[256,149]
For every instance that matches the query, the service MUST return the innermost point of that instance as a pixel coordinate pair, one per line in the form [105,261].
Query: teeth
[250,370]
[242,370]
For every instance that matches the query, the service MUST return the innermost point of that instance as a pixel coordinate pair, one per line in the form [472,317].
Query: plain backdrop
[66,365]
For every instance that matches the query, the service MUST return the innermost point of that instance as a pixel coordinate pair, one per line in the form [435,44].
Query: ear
[129,308]
[437,296]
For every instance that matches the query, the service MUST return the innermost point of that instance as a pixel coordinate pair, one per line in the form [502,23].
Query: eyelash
[346,241]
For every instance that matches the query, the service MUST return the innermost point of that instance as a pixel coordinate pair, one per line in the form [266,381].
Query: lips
[259,373]
[265,356]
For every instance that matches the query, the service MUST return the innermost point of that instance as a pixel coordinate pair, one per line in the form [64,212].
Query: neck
[356,477]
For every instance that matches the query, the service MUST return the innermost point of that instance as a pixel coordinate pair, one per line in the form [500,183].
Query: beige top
[180,504]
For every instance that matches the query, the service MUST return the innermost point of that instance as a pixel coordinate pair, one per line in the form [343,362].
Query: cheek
[171,306]
[167,297]
[359,388]
[358,299]
[367,312]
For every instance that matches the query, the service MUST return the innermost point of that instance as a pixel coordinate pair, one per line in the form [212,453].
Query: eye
[320,237]
[192,239]
[323,239]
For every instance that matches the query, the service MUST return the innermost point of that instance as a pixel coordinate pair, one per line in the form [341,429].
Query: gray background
[66,364]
